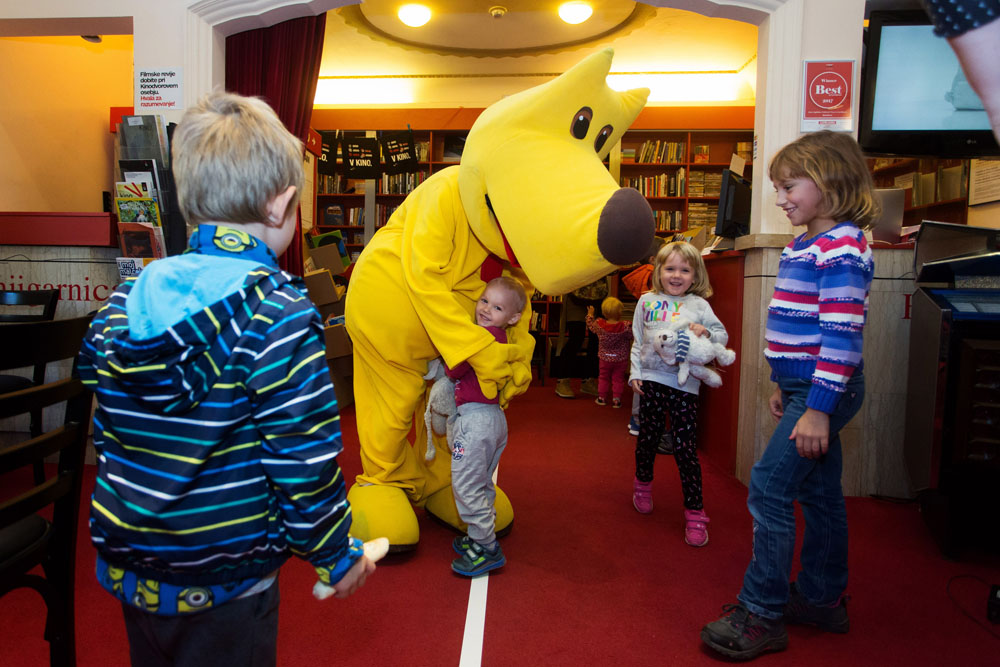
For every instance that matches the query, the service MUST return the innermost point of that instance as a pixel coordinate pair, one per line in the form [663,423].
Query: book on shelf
[701,154]
[141,188]
[141,170]
[745,150]
[138,209]
[333,215]
[130,267]
[141,239]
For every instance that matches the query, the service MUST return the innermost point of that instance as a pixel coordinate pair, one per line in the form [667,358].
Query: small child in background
[479,435]
[815,325]
[614,339]
[680,287]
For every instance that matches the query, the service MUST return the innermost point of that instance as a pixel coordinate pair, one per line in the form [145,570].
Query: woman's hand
[636,386]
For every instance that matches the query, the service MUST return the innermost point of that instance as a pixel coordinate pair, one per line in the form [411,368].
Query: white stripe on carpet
[475,622]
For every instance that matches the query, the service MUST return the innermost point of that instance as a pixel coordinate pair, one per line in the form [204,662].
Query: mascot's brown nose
[626,229]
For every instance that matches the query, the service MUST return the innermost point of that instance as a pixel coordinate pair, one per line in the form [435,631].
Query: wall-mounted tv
[733,218]
[915,100]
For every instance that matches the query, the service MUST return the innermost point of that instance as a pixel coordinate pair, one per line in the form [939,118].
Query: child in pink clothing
[614,341]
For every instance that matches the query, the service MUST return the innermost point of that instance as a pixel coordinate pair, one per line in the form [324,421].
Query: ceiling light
[575,12]
[414,15]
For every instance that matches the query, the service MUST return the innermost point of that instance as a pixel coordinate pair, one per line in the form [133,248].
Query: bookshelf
[679,171]
[936,189]
[358,208]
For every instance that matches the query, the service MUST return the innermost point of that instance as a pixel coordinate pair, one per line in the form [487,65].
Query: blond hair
[514,289]
[690,254]
[834,162]
[612,308]
[231,156]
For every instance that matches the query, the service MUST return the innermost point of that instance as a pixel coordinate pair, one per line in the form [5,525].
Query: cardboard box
[338,343]
[322,289]
[324,294]
[327,257]
[342,375]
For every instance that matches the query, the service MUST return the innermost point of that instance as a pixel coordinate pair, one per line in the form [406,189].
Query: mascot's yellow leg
[441,505]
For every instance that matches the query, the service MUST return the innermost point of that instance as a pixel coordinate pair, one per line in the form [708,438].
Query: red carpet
[589,581]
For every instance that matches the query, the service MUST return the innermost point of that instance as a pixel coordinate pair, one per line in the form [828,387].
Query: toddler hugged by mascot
[531,197]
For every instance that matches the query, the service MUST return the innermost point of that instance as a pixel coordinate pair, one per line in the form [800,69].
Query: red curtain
[281,65]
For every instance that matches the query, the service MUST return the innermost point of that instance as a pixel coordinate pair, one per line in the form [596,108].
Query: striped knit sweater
[816,316]
[217,428]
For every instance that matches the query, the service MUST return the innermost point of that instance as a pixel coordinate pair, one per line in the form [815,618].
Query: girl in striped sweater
[814,335]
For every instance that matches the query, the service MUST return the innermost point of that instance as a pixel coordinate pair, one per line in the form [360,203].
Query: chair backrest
[35,343]
[48,299]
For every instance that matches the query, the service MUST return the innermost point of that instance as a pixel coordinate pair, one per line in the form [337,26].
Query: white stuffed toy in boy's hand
[678,345]
[373,549]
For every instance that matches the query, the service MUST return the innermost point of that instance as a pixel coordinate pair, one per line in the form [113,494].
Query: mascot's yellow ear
[535,189]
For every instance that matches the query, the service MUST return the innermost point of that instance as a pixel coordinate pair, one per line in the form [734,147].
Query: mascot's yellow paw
[383,511]
[441,506]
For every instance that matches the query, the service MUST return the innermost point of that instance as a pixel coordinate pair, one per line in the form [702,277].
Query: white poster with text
[158,89]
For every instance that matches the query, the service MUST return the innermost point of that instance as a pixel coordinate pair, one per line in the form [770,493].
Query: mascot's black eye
[602,137]
[581,123]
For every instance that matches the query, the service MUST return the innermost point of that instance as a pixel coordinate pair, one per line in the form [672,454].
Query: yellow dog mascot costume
[531,189]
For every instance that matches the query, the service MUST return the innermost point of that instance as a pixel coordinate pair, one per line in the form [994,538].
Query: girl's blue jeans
[776,481]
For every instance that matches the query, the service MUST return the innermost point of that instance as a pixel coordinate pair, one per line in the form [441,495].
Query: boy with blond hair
[217,429]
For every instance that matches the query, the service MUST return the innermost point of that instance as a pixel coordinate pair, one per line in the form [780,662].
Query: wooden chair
[30,306]
[27,539]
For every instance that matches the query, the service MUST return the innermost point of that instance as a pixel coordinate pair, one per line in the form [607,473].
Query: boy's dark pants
[240,632]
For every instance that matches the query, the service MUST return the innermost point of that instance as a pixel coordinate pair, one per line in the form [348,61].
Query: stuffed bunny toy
[677,345]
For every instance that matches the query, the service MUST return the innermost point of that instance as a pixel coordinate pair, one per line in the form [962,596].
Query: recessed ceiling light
[414,15]
[575,12]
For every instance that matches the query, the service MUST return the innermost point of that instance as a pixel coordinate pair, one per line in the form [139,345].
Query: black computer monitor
[734,206]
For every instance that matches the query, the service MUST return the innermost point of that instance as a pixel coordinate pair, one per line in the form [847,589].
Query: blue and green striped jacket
[217,428]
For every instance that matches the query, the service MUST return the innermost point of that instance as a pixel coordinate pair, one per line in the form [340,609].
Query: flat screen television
[733,219]
[915,100]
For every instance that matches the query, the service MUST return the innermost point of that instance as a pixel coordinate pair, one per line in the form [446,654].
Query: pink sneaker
[642,496]
[695,530]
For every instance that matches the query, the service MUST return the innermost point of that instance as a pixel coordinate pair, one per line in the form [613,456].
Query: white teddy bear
[440,406]
[677,345]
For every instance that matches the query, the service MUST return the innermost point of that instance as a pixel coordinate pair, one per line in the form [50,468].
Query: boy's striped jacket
[217,431]
[816,316]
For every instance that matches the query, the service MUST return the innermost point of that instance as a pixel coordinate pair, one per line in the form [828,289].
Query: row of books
[538,296]
[336,215]
[704,183]
[383,212]
[661,185]
[702,213]
[338,184]
[401,184]
[656,151]
[669,220]
[539,321]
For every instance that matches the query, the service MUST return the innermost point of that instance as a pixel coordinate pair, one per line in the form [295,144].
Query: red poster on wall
[827,95]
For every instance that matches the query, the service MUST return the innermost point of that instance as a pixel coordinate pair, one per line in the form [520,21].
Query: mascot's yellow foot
[441,506]
[383,511]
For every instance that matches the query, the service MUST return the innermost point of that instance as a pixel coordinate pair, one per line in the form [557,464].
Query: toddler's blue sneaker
[462,543]
[477,560]
[633,426]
